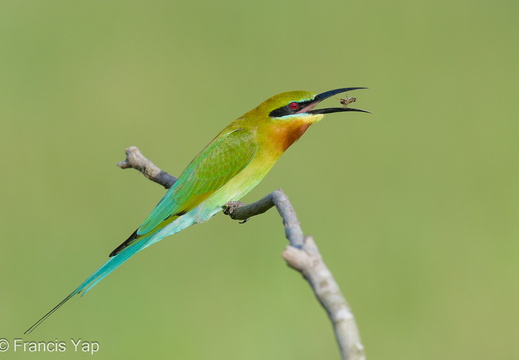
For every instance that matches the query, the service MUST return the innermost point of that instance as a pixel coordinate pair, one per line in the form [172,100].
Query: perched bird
[230,166]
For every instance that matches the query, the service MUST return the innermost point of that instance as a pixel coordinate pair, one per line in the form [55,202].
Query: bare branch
[279,199]
[135,160]
[302,254]
[309,262]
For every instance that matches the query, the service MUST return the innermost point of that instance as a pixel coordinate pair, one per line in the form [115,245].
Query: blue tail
[99,275]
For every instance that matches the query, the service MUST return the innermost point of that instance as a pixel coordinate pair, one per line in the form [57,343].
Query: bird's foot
[229,208]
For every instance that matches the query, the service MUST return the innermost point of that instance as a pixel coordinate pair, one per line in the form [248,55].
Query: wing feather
[219,162]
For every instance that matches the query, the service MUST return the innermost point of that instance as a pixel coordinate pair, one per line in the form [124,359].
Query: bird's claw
[230,207]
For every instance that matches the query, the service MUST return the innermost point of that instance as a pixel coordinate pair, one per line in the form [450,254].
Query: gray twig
[293,232]
[302,254]
[135,160]
[309,262]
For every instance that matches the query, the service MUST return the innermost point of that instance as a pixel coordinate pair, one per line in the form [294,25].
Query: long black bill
[325,95]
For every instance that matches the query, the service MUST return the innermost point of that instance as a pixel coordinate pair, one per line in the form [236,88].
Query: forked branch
[302,254]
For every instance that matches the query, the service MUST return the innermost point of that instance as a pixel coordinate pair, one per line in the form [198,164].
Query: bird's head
[286,116]
[300,104]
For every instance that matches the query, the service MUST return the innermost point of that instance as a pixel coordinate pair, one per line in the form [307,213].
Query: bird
[230,166]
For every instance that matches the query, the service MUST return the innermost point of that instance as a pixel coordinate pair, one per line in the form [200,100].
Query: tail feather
[96,277]
[35,325]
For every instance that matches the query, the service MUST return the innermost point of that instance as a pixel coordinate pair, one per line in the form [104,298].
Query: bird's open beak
[325,95]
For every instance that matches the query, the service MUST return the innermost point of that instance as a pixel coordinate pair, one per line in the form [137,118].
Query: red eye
[293,105]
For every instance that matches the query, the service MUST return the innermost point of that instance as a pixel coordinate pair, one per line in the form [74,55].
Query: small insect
[348,100]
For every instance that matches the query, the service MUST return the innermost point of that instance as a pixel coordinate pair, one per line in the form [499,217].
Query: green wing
[219,162]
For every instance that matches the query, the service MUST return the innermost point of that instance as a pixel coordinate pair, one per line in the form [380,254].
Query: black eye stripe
[287,110]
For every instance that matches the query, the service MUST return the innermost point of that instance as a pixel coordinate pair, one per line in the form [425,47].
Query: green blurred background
[414,208]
